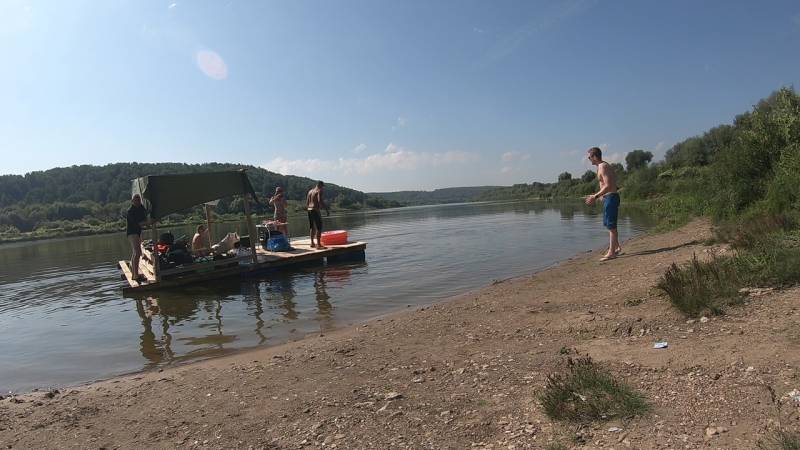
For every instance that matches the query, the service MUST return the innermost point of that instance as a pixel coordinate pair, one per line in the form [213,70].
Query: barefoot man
[608,192]
[315,203]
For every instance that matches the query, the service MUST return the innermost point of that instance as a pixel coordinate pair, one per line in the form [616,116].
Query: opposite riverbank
[463,373]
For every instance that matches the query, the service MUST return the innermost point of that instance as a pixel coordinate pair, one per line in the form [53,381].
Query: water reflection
[274,303]
[67,322]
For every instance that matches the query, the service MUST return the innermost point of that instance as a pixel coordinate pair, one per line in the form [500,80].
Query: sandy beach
[464,373]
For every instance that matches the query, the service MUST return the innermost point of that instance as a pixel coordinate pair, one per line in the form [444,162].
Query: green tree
[638,159]
[588,176]
[564,176]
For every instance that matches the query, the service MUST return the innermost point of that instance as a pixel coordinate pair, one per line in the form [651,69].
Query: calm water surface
[65,321]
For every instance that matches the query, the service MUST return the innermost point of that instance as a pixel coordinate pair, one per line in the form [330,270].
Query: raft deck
[229,267]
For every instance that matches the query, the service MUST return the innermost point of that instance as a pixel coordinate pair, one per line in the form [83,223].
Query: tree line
[745,169]
[84,199]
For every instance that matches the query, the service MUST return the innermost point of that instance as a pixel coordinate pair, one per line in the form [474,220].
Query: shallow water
[65,321]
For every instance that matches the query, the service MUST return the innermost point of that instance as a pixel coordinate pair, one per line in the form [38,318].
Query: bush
[701,286]
[589,393]
[781,440]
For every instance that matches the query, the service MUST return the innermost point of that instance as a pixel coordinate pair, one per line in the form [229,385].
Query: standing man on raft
[314,204]
[137,219]
[608,192]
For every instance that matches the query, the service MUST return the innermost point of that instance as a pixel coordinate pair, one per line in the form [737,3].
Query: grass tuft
[781,440]
[556,446]
[588,393]
[701,286]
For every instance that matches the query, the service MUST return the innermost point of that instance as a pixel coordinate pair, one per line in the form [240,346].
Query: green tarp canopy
[165,194]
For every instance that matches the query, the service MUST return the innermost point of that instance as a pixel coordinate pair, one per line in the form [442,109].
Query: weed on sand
[587,393]
[701,285]
[781,440]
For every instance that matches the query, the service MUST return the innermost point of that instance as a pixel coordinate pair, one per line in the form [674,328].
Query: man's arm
[322,203]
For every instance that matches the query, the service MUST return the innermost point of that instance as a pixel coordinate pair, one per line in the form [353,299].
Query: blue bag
[278,243]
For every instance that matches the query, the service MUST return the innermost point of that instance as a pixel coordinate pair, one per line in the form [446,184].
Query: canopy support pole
[208,225]
[156,265]
[251,228]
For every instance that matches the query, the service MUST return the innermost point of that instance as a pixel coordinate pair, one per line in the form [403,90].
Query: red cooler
[336,237]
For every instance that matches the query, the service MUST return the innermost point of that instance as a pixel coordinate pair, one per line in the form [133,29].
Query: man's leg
[312,227]
[614,241]
[136,254]
[319,229]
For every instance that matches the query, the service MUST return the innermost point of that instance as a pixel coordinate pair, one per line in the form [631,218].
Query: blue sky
[380,95]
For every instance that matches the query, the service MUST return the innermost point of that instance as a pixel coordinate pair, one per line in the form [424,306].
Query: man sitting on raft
[201,242]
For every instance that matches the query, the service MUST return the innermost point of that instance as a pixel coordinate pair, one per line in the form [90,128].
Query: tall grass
[588,393]
[701,286]
[781,440]
[766,254]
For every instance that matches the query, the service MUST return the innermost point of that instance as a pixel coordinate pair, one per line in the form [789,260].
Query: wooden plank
[146,270]
[208,265]
[266,261]
[126,270]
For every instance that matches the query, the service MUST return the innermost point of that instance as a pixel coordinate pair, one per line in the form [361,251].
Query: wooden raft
[223,268]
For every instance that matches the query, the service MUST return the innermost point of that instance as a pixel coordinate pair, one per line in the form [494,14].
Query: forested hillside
[445,195]
[79,199]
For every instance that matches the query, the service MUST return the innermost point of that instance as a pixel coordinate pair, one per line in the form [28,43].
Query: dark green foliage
[780,440]
[89,199]
[638,159]
[588,176]
[700,150]
[588,393]
[701,286]
[564,176]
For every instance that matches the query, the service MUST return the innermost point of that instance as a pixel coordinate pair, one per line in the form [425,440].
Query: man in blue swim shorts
[608,192]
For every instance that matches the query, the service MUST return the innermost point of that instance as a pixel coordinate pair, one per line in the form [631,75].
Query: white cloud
[300,166]
[614,158]
[172,5]
[506,169]
[478,30]
[392,159]
[660,147]
[514,156]
[359,148]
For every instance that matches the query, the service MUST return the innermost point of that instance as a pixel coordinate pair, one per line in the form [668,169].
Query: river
[65,321]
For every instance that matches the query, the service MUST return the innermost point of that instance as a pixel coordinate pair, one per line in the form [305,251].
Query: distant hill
[445,195]
[94,197]
[112,183]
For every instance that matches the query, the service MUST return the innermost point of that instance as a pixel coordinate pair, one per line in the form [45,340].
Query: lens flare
[211,64]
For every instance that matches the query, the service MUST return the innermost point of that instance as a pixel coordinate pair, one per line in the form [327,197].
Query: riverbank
[462,373]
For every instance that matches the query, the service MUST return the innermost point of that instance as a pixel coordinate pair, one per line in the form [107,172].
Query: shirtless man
[608,192]
[201,242]
[314,203]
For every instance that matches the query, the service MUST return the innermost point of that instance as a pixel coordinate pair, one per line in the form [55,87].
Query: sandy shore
[462,374]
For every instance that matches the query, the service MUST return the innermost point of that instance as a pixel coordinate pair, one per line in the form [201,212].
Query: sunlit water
[65,321]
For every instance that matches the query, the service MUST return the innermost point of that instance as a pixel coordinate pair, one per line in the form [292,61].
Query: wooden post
[156,264]
[208,226]
[251,228]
